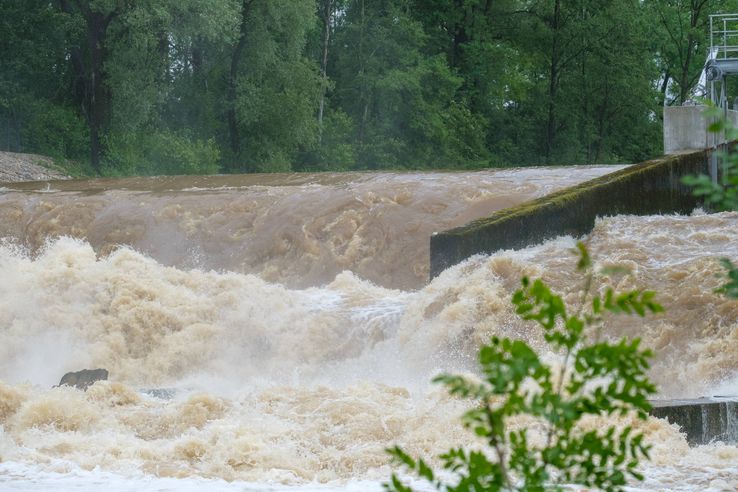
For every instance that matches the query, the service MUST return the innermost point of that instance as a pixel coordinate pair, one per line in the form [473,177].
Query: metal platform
[722,59]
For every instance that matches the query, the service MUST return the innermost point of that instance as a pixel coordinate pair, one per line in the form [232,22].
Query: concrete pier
[703,420]
[685,128]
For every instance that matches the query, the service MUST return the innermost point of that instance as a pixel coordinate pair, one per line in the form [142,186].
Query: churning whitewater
[231,375]
[298,230]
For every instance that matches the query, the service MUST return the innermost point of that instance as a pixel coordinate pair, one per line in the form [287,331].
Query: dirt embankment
[27,167]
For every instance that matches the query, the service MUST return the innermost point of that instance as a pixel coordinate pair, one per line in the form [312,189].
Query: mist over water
[293,381]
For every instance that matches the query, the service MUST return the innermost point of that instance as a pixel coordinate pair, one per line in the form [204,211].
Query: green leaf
[603,378]
[584,260]
[730,288]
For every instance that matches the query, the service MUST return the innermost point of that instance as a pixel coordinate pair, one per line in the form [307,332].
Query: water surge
[268,382]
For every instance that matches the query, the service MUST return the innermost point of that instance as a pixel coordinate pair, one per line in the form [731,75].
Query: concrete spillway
[703,420]
[651,187]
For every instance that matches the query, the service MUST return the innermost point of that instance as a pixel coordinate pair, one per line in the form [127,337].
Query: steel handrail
[721,40]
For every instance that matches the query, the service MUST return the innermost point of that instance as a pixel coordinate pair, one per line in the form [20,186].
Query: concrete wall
[651,187]
[703,420]
[685,128]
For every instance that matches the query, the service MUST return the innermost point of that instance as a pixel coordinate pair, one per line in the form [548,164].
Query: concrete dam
[649,188]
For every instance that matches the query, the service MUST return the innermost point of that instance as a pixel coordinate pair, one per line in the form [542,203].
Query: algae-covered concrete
[651,187]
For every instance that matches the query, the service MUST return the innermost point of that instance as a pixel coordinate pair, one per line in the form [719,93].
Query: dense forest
[201,86]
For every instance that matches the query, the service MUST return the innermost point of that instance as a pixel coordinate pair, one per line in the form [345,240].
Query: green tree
[615,99]
[479,42]
[122,57]
[721,195]
[681,41]
[405,103]
[592,66]
[273,88]
[595,378]
[339,84]
[88,55]
[159,85]
[36,112]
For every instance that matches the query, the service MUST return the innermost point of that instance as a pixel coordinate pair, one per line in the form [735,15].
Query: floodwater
[296,230]
[290,331]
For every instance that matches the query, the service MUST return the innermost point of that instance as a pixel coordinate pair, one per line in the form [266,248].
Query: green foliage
[52,130]
[35,72]
[721,196]
[724,195]
[335,150]
[407,84]
[160,152]
[277,87]
[596,378]
[730,288]
[407,104]
[680,40]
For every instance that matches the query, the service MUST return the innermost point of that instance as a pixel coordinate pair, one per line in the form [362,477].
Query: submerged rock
[83,379]
[160,393]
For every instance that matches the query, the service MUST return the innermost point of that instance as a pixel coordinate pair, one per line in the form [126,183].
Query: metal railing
[722,60]
[724,36]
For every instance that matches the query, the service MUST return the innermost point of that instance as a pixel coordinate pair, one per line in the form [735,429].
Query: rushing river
[290,323]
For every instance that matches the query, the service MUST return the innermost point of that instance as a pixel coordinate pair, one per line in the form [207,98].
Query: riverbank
[16,167]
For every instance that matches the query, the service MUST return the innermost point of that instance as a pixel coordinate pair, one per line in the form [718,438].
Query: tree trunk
[363,96]
[162,48]
[684,86]
[196,58]
[664,87]
[460,37]
[603,117]
[686,79]
[95,97]
[553,82]
[583,122]
[233,131]
[99,102]
[327,17]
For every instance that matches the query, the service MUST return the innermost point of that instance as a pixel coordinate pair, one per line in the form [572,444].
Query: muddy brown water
[295,229]
[302,344]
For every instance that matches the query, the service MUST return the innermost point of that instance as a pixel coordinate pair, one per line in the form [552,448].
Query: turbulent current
[281,332]
[297,230]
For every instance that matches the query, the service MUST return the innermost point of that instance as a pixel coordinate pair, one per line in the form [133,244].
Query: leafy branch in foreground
[721,196]
[595,378]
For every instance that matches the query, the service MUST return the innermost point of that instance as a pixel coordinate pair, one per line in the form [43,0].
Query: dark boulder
[83,379]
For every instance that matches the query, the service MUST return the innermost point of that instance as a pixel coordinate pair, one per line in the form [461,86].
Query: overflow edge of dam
[651,187]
